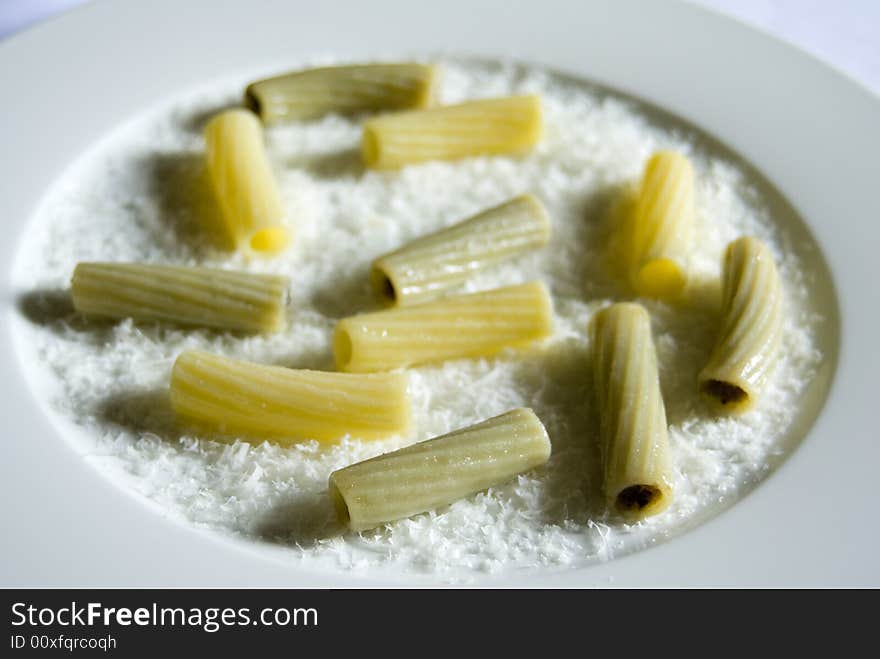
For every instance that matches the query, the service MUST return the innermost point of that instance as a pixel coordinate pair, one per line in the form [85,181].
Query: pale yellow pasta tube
[349,89]
[236,397]
[751,329]
[662,227]
[474,325]
[191,296]
[439,471]
[243,181]
[635,452]
[510,125]
[425,267]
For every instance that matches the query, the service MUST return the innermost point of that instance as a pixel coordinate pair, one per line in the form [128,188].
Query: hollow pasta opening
[637,498]
[269,240]
[725,393]
[386,289]
[251,102]
[370,147]
[660,278]
[342,348]
[383,286]
[339,504]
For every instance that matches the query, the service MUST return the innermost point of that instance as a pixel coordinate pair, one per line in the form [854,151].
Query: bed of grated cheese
[141,195]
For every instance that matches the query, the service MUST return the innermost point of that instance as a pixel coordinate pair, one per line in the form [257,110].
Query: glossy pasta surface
[244,183]
[751,328]
[635,450]
[439,471]
[347,89]
[661,233]
[424,268]
[473,325]
[206,297]
[234,397]
[509,125]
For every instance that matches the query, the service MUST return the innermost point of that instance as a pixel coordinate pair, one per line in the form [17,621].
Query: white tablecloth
[845,33]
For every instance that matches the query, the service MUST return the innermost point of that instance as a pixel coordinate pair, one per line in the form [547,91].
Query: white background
[845,33]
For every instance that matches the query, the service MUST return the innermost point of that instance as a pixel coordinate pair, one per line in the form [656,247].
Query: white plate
[812,132]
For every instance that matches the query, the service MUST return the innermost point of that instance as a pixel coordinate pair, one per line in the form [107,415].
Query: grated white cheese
[139,195]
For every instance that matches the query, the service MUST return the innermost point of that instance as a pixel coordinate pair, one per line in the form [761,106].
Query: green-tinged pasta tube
[244,183]
[474,325]
[486,127]
[191,296]
[343,89]
[662,227]
[287,405]
[439,471]
[634,442]
[751,328]
[425,267]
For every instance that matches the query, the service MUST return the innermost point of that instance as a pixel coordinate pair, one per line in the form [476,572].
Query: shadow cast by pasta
[48,306]
[613,215]
[599,213]
[54,307]
[141,411]
[301,521]
[180,185]
[346,297]
[312,360]
[336,165]
[691,324]
[559,380]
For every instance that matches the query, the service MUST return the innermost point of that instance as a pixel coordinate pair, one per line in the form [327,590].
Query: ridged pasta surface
[486,127]
[207,297]
[633,417]
[662,226]
[343,90]
[427,266]
[287,405]
[751,328]
[436,472]
[244,183]
[473,325]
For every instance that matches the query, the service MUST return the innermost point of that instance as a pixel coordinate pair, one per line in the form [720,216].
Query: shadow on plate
[303,520]
[333,166]
[314,360]
[690,322]
[48,306]
[345,297]
[559,382]
[142,411]
[180,185]
[51,306]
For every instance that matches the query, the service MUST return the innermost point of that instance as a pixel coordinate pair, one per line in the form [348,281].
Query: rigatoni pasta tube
[473,325]
[287,405]
[342,89]
[243,181]
[206,297]
[420,270]
[633,430]
[439,471]
[751,328]
[662,227]
[485,127]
